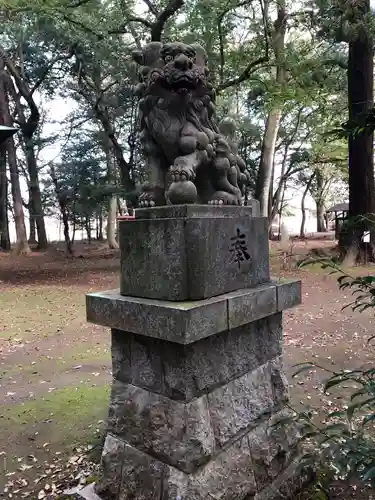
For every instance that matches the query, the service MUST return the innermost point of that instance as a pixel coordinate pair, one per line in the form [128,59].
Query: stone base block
[254,467]
[201,251]
[189,322]
[184,372]
[187,435]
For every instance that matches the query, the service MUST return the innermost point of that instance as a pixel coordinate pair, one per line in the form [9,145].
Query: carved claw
[223,198]
[147,199]
[181,173]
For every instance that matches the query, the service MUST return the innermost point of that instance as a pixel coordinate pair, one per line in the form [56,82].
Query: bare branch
[50,66]
[221,35]
[253,65]
[245,75]
[81,25]
[157,29]
[102,92]
[133,19]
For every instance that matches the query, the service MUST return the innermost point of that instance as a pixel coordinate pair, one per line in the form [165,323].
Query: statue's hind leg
[226,184]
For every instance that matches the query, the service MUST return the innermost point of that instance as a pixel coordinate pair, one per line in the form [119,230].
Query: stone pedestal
[196,384]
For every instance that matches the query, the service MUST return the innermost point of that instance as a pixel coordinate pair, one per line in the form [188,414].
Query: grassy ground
[55,367]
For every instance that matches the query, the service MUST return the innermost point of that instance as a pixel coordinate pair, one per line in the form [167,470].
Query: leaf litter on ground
[60,476]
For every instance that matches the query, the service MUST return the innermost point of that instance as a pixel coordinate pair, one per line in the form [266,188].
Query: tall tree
[22,245]
[112,202]
[262,192]
[360,102]
[4,221]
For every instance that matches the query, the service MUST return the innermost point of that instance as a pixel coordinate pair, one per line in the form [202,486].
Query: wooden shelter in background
[340,214]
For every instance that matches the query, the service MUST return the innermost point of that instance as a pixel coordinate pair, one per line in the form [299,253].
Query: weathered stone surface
[246,306]
[146,364]
[216,262]
[150,247]
[178,433]
[183,322]
[185,372]
[142,476]
[235,407]
[198,211]
[112,459]
[200,257]
[197,383]
[289,294]
[257,462]
[279,381]
[121,355]
[189,157]
[229,477]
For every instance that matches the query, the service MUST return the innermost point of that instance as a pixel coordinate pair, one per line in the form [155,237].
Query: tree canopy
[282,70]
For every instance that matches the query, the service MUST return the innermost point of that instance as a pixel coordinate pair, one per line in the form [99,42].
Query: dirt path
[55,368]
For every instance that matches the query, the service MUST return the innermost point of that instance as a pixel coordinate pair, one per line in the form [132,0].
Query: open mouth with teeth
[183,83]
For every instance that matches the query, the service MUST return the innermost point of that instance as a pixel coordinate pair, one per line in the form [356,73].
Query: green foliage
[81,181]
[343,444]
[80,51]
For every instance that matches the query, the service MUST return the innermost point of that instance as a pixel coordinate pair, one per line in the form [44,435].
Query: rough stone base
[254,467]
[285,486]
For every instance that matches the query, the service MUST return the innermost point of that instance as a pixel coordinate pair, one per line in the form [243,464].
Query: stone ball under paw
[182,192]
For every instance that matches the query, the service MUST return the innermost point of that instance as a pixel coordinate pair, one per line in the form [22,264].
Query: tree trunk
[65,219]
[119,208]
[319,193]
[64,212]
[74,230]
[28,127]
[361,163]
[35,193]
[281,206]
[111,223]
[102,114]
[4,223]
[262,191]
[270,194]
[303,209]
[112,204]
[100,227]
[32,226]
[22,245]
[88,229]
[266,161]
[320,217]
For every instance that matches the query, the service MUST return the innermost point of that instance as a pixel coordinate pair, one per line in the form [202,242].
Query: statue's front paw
[151,196]
[181,173]
[223,198]
[147,199]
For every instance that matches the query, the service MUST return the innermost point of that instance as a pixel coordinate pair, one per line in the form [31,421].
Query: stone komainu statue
[188,158]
